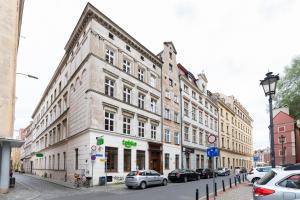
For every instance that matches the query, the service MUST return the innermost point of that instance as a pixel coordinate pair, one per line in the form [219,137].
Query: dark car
[183,175]
[206,173]
[243,170]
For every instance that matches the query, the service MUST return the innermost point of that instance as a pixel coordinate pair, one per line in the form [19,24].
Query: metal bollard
[197,194]
[230,183]
[239,179]
[207,192]
[223,185]
[235,181]
[216,194]
[243,178]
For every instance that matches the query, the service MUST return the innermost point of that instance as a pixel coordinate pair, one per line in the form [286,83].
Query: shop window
[140,160]
[112,159]
[127,160]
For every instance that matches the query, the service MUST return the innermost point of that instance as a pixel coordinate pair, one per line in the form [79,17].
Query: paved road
[174,191]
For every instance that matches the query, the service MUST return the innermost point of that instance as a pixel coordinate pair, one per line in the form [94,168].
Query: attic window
[154,67]
[170,55]
[127,48]
[142,58]
[111,36]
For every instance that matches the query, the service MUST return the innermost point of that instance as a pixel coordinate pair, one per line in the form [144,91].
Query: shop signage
[129,143]
[99,155]
[100,140]
[39,155]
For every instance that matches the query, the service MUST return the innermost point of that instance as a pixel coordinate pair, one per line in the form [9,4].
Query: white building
[199,119]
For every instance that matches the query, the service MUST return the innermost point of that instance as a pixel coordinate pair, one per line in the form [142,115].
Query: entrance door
[31,166]
[155,157]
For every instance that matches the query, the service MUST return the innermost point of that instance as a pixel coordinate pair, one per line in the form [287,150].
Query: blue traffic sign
[213,152]
[255,158]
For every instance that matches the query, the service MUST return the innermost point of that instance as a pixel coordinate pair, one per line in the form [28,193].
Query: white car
[258,172]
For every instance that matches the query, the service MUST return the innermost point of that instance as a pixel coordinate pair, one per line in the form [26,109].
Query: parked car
[145,178]
[205,173]
[223,171]
[278,185]
[257,173]
[183,175]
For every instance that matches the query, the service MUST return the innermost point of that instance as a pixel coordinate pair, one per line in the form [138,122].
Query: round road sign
[211,138]
[94,148]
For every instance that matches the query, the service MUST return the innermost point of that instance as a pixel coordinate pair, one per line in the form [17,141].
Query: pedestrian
[237,173]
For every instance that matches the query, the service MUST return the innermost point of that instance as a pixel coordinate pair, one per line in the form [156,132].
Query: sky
[234,42]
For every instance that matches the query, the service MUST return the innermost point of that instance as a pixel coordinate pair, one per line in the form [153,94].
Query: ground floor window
[187,160]
[202,161]
[112,159]
[197,161]
[127,160]
[140,159]
[167,163]
[176,161]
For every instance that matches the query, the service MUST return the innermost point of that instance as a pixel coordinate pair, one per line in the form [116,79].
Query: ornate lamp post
[282,140]
[269,85]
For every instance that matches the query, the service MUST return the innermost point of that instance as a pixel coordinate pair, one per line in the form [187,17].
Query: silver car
[278,184]
[144,178]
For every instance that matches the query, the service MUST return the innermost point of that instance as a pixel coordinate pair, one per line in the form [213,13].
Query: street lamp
[28,75]
[269,86]
[282,140]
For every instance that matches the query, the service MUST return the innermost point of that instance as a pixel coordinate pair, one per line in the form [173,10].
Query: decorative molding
[111,107]
[128,82]
[154,95]
[128,113]
[110,73]
[142,89]
[142,117]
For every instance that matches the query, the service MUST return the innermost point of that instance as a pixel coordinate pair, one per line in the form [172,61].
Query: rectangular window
[193,113]
[168,94]
[201,137]
[186,133]
[153,131]
[167,114]
[112,159]
[58,161]
[110,56]
[200,117]
[186,89]
[153,81]
[126,94]
[109,87]
[167,158]
[170,82]
[167,136]
[126,66]
[175,98]
[194,135]
[76,159]
[211,124]
[141,130]
[170,67]
[153,105]
[186,109]
[176,161]
[176,117]
[206,120]
[194,95]
[141,101]
[109,121]
[126,125]
[197,161]
[141,74]
[140,160]
[64,154]
[127,160]
[176,137]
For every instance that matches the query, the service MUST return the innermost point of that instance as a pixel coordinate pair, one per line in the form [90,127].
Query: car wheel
[255,179]
[143,185]
[165,182]
[129,187]
[185,179]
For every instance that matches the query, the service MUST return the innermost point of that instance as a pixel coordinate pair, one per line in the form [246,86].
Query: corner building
[107,86]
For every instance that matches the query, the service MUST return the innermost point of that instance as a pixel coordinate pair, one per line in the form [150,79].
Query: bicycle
[80,180]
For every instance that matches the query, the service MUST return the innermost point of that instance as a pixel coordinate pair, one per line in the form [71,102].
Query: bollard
[207,192]
[216,194]
[243,178]
[239,178]
[230,183]
[235,181]
[197,194]
[223,185]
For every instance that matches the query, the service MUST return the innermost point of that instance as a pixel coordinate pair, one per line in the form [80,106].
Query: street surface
[41,189]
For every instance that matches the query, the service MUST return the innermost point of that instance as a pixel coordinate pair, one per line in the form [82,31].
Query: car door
[290,187]
[156,177]
[149,178]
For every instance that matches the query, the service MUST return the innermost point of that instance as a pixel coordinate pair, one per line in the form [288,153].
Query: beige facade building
[10,26]
[235,133]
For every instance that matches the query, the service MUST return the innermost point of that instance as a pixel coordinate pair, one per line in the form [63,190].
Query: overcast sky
[235,42]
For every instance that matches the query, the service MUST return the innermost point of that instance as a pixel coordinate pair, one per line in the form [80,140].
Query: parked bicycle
[80,180]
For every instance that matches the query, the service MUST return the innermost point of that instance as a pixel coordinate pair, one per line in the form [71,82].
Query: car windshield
[264,169]
[132,173]
[177,170]
[266,178]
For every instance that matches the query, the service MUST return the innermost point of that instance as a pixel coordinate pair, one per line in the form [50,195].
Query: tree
[288,93]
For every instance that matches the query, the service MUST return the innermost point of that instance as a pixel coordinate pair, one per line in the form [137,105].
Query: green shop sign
[100,140]
[129,143]
[39,155]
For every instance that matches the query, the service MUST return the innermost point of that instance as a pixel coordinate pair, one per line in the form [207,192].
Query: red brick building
[285,125]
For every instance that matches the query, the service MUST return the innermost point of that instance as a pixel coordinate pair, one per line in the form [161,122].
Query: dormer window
[111,36]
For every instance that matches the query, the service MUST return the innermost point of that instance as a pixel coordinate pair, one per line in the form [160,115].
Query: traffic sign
[213,152]
[255,158]
[93,157]
[212,138]
[94,148]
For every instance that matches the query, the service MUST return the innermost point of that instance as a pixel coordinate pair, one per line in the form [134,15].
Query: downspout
[161,114]
[181,121]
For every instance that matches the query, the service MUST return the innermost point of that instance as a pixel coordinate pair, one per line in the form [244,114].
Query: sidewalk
[20,192]
[242,191]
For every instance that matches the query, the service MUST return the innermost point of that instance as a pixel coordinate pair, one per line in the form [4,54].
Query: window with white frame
[167,114]
[109,87]
[126,66]
[176,117]
[110,56]
[153,81]
[186,133]
[141,129]
[126,94]
[141,101]
[176,137]
[194,94]
[194,136]
[186,109]
[175,98]
[109,121]
[170,67]
[201,137]
[141,74]
[216,126]
[206,104]
[186,89]
[200,117]
[167,136]
[206,120]
[126,125]
[211,123]
[200,100]
[168,94]
[193,113]
[153,131]
[170,82]
[153,105]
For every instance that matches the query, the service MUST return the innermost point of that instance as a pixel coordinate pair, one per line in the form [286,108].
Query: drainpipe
[162,118]
[181,122]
